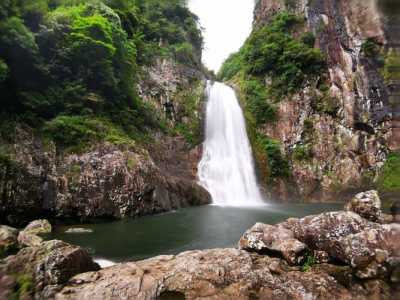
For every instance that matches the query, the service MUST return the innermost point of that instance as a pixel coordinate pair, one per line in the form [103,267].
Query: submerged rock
[263,238]
[79,230]
[367,205]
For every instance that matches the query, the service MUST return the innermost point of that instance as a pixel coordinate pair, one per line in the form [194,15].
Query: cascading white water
[226,169]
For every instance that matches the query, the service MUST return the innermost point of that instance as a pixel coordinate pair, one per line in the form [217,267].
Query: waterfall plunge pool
[192,228]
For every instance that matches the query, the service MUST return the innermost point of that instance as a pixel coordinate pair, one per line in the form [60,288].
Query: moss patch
[24,286]
[389,181]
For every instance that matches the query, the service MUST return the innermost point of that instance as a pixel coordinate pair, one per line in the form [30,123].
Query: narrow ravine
[226,169]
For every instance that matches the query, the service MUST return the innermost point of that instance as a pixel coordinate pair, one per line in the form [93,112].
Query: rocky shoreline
[349,254]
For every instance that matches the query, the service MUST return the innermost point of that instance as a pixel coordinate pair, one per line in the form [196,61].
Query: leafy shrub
[308,263]
[277,164]
[76,133]
[232,66]
[302,152]
[272,51]
[257,101]
[391,69]
[308,39]
[370,47]
[389,180]
[24,286]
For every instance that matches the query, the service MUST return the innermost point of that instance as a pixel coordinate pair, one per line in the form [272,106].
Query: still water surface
[187,229]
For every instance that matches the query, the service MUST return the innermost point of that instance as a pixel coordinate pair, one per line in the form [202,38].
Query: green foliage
[232,66]
[76,133]
[389,180]
[24,286]
[188,120]
[81,61]
[370,48]
[302,152]
[308,263]
[257,101]
[184,53]
[391,69]
[324,103]
[308,38]
[278,166]
[272,51]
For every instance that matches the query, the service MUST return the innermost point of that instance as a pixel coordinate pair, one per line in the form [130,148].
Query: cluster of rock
[334,255]
[40,268]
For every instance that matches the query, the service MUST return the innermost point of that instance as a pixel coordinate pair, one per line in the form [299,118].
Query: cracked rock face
[210,274]
[367,205]
[263,238]
[351,145]
[49,264]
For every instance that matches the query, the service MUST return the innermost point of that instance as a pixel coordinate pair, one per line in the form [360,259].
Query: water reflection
[187,229]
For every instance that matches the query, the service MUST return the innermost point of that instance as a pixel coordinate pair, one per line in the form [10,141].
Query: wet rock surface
[38,227]
[367,205]
[48,266]
[263,238]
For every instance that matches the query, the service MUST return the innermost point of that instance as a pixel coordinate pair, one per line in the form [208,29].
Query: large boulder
[26,239]
[212,274]
[48,266]
[370,248]
[367,205]
[264,239]
[8,239]
[322,232]
[29,237]
[38,227]
[371,251]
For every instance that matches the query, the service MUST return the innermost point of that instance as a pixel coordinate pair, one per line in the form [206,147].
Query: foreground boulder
[264,239]
[38,227]
[44,268]
[367,205]
[349,237]
[217,274]
[29,237]
[210,274]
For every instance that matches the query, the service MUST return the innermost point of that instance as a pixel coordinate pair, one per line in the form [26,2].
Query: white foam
[104,263]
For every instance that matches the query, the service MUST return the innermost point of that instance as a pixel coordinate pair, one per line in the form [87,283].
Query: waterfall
[226,169]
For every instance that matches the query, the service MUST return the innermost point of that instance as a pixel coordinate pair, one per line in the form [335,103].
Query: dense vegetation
[277,60]
[71,66]
[389,180]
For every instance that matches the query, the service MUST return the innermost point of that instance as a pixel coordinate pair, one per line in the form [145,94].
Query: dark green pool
[186,229]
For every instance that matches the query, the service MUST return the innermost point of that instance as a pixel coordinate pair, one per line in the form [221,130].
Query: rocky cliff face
[108,180]
[349,136]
